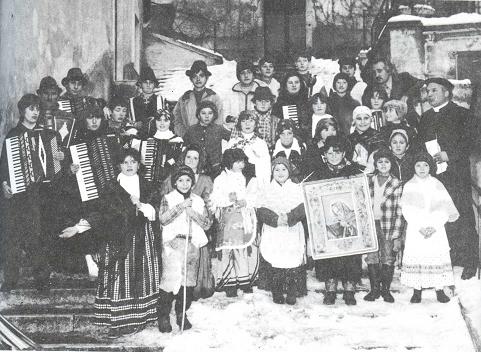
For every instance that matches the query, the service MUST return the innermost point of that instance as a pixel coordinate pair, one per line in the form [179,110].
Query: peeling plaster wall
[47,37]
[406,51]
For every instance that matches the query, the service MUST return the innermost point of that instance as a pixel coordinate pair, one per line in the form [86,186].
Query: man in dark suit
[454,128]
[396,85]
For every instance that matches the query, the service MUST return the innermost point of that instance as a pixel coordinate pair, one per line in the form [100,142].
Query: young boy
[144,106]
[302,62]
[386,193]
[347,65]
[119,125]
[21,212]
[341,102]
[208,136]
[266,68]
[240,98]
[185,109]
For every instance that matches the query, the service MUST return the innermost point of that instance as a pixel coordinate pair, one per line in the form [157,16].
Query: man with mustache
[396,85]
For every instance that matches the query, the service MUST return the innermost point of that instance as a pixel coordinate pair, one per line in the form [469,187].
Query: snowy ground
[254,322]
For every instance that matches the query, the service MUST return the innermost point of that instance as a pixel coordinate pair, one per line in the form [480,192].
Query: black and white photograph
[240,175]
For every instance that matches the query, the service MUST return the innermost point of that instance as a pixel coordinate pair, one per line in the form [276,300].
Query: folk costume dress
[236,235]
[426,262]
[130,265]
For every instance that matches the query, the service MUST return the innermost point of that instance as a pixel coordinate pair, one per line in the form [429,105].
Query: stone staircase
[61,319]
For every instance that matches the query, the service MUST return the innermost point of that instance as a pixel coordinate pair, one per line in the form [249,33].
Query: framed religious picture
[340,217]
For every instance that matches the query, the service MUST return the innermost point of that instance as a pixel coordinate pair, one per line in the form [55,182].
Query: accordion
[158,157]
[377,120]
[30,158]
[96,166]
[73,105]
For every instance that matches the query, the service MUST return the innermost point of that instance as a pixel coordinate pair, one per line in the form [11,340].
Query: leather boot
[441,296]
[348,295]
[387,272]
[163,311]
[179,306]
[277,286]
[331,290]
[292,285]
[374,274]
[417,295]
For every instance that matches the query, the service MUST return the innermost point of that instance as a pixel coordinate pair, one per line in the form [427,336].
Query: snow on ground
[253,322]
[459,18]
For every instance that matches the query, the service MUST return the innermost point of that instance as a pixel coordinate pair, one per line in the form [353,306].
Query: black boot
[163,311]
[348,295]
[277,286]
[417,295]
[179,306]
[331,289]
[468,272]
[373,271]
[441,296]
[387,272]
[292,285]
[231,291]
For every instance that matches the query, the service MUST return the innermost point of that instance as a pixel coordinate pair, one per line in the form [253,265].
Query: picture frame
[340,218]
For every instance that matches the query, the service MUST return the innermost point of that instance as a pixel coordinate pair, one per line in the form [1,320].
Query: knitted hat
[196,67]
[181,171]
[163,112]
[74,74]
[286,124]
[442,81]
[26,101]
[400,131]
[282,160]
[48,82]
[383,153]
[147,74]
[425,156]
[243,65]
[361,110]
[263,93]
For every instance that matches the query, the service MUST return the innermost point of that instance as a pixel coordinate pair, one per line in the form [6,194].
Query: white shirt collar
[164,134]
[437,108]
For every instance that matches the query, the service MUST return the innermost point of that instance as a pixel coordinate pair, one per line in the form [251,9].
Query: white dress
[426,262]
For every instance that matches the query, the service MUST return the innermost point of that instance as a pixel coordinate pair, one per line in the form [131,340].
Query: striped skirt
[128,287]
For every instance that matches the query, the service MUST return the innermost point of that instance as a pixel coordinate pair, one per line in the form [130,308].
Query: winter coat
[237,101]
[294,155]
[401,84]
[186,108]
[341,108]
[303,117]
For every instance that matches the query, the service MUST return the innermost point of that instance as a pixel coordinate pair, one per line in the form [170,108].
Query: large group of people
[225,211]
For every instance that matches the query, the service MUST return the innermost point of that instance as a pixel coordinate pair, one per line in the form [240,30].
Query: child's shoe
[348,297]
[187,324]
[231,291]
[329,298]
[416,298]
[278,297]
[247,289]
[164,324]
[441,296]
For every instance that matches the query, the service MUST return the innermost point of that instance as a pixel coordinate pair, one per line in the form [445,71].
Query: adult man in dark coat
[396,85]
[454,128]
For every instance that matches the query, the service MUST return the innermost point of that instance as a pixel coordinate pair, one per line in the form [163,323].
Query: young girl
[233,201]
[394,112]
[319,110]
[129,266]
[386,193]
[208,135]
[184,218]
[289,147]
[427,207]
[376,102]
[403,167]
[313,157]
[364,140]
[281,210]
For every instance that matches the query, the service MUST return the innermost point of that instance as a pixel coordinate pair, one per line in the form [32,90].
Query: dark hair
[337,143]
[207,104]
[244,115]
[307,53]
[424,156]
[323,98]
[383,152]
[322,125]
[26,101]
[338,76]
[231,156]
[283,90]
[124,153]
[195,148]
[118,101]
[382,94]
[267,58]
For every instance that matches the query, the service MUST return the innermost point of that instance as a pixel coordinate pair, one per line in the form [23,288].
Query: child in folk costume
[184,219]
[233,202]
[281,210]
[427,207]
[289,146]
[129,266]
[386,193]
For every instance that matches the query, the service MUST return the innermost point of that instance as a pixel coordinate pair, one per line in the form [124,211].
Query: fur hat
[48,82]
[147,74]
[181,171]
[263,93]
[425,156]
[196,67]
[442,81]
[243,65]
[26,101]
[74,74]
[284,161]
[286,124]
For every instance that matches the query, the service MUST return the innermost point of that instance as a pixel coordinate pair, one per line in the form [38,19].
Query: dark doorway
[468,66]
[284,27]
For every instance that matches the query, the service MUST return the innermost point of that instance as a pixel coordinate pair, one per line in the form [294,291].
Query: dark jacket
[401,84]
[403,168]
[303,117]
[341,108]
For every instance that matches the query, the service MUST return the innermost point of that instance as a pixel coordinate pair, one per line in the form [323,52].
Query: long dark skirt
[345,269]
[128,288]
